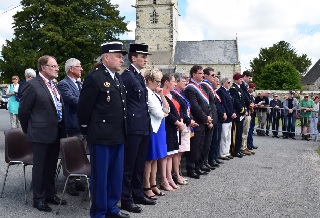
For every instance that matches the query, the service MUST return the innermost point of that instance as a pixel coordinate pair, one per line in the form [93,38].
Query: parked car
[4,99]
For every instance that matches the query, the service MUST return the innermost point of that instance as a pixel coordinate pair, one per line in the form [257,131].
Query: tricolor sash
[206,83]
[199,90]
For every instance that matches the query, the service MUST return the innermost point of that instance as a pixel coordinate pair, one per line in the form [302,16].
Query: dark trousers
[290,125]
[134,160]
[236,137]
[275,124]
[106,178]
[250,133]
[206,146]
[196,145]
[45,158]
[215,143]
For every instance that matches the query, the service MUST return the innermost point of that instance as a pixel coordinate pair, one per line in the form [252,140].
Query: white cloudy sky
[257,24]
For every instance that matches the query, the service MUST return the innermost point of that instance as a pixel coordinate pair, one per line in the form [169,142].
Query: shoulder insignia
[232,87]
[106,84]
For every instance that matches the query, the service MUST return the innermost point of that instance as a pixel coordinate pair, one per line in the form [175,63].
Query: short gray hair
[178,76]
[71,62]
[30,73]
[223,80]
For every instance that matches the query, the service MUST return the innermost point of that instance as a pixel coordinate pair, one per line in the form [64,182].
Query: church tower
[157,25]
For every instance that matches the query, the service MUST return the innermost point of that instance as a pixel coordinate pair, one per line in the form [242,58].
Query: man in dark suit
[42,119]
[102,118]
[227,102]
[139,129]
[214,152]
[200,110]
[70,88]
[237,124]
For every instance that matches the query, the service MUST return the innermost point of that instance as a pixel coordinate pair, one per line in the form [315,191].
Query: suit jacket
[38,114]
[212,102]
[200,110]
[102,108]
[70,95]
[138,118]
[227,102]
[238,100]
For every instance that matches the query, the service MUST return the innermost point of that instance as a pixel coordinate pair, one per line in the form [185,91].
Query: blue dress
[157,142]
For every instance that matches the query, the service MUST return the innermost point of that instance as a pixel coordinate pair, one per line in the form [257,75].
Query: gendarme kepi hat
[139,48]
[113,47]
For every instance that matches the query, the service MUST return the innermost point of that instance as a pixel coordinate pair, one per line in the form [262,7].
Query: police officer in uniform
[102,118]
[138,130]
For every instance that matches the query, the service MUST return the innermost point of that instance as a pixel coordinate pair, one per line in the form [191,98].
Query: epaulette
[232,87]
[127,69]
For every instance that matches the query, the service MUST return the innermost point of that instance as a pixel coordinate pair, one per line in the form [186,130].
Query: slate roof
[197,52]
[312,75]
[206,52]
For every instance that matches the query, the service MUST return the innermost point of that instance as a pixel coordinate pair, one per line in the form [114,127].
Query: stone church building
[157,26]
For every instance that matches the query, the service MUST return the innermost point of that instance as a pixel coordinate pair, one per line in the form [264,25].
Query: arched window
[155,2]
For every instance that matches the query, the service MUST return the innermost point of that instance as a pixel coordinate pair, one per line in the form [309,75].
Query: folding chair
[75,162]
[17,151]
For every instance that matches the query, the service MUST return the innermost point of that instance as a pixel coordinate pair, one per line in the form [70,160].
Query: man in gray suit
[70,89]
[42,120]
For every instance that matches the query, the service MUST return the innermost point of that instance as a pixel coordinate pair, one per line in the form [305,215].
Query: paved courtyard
[281,180]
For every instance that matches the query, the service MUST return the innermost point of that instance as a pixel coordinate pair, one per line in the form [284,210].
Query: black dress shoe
[239,155]
[193,175]
[200,172]
[72,190]
[42,206]
[144,200]
[118,215]
[213,164]
[131,208]
[230,157]
[255,147]
[293,138]
[219,161]
[205,168]
[55,200]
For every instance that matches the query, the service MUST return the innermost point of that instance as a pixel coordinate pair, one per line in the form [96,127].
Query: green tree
[279,75]
[281,51]
[62,28]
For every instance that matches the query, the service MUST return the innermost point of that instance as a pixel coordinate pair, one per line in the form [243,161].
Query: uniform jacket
[70,95]
[138,118]
[102,108]
[227,102]
[200,110]
[38,114]
[238,100]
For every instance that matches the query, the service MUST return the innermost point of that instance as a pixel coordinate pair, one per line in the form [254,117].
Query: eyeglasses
[14,79]
[157,81]
[229,82]
[213,75]
[78,66]
[53,66]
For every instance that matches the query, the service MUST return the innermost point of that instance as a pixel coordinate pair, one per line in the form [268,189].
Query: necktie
[116,80]
[57,102]
[78,85]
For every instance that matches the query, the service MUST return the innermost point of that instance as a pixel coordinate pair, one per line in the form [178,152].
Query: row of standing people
[271,110]
[120,125]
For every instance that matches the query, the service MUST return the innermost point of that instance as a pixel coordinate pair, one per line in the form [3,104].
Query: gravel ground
[281,180]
